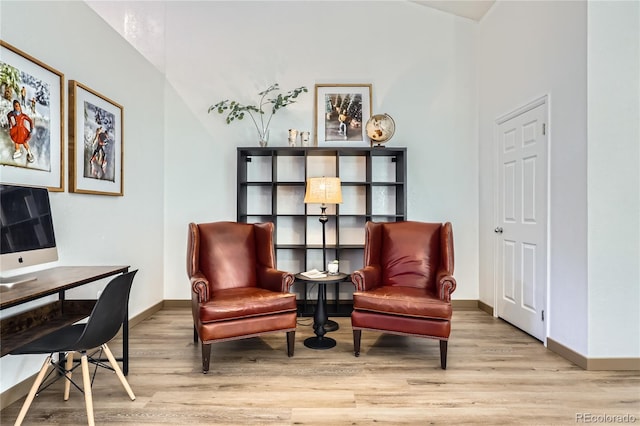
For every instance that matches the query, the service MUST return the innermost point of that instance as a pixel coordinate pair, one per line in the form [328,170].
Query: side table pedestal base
[319,342]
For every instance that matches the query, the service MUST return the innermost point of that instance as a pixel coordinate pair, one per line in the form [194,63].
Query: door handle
[498,230]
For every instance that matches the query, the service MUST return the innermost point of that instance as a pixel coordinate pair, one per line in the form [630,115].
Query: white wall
[614,179]
[421,63]
[91,229]
[528,49]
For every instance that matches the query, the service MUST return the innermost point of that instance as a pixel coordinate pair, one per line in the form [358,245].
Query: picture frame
[31,131]
[96,142]
[341,112]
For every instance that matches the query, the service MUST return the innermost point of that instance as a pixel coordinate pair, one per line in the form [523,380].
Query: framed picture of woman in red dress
[31,120]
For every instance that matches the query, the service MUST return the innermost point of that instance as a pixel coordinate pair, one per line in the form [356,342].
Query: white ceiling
[141,23]
[472,9]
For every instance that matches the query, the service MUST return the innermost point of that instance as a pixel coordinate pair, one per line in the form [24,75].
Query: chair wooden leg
[67,382]
[86,381]
[291,342]
[443,354]
[357,334]
[195,334]
[32,392]
[116,368]
[206,355]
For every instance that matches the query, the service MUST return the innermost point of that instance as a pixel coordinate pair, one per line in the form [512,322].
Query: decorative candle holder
[293,136]
[304,138]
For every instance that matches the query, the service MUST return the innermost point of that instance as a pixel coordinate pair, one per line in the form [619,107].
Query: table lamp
[323,191]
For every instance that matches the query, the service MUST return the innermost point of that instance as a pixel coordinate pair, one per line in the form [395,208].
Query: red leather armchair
[406,284]
[236,291]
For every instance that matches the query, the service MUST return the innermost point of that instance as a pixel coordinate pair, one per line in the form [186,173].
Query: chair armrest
[366,278]
[446,285]
[200,286]
[275,280]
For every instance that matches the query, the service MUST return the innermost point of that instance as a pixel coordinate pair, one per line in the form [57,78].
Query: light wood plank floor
[496,375]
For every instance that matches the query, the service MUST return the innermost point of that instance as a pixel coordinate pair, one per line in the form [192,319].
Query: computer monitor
[26,225]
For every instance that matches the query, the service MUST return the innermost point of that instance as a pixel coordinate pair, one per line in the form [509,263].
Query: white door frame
[541,100]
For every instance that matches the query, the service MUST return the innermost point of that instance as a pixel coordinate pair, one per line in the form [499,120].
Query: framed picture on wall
[31,120]
[341,110]
[95,142]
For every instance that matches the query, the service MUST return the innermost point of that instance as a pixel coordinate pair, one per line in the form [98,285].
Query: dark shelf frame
[245,155]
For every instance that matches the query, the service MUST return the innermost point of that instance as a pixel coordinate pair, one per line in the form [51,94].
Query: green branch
[236,110]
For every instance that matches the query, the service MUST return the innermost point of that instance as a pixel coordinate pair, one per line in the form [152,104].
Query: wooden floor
[496,375]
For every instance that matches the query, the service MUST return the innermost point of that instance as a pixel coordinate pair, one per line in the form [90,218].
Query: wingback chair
[236,292]
[406,283]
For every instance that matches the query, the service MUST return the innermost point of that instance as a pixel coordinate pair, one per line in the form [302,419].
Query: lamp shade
[323,190]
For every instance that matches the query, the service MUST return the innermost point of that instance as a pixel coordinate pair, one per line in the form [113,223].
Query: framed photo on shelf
[95,142]
[341,112]
[32,121]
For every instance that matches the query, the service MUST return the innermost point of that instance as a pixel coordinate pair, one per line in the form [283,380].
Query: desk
[320,315]
[27,326]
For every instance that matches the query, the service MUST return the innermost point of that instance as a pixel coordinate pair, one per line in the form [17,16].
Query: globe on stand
[380,128]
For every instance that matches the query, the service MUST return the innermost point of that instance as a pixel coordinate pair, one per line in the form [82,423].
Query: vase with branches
[236,111]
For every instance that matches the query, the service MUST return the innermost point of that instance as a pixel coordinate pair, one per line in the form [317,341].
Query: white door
[521,212]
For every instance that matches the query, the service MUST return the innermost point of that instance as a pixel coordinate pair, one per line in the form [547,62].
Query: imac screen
[27,227]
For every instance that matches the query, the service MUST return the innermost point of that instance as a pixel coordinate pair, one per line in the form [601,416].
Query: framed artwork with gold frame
[31,121]
[96,142]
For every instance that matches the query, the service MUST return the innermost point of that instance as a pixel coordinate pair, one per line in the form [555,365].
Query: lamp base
[331,325]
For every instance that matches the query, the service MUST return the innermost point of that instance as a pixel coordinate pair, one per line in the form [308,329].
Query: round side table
[320,316]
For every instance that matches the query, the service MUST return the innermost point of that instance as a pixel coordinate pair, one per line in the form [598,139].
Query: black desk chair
[103,325]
